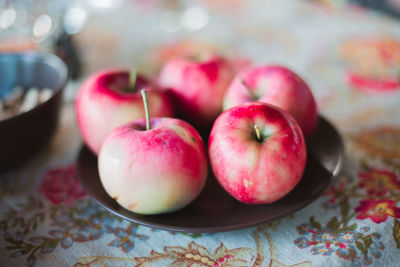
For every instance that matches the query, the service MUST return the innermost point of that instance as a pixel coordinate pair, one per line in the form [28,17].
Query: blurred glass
[28,24]
[37,24]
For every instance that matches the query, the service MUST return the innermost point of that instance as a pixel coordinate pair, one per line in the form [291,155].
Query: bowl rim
[50,59]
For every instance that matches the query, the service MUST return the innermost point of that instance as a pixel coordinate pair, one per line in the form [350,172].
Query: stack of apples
[148,134]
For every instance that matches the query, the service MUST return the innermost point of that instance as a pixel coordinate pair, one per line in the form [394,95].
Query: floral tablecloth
[351,59]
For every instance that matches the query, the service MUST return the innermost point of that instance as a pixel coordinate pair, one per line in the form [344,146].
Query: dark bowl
[25,134]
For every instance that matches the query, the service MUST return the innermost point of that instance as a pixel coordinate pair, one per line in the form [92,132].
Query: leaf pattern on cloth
[376,190]
[125,237]
[66,224]
[193,255]
[196,255]
[396,232]
[358,246]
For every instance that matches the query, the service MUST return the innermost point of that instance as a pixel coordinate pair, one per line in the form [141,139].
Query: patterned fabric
[351,60]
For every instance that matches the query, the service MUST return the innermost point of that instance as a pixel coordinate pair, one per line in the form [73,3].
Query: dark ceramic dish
[25,134]
[215,210]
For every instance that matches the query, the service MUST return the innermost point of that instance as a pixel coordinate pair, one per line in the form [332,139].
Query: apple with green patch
[257,152]
[278,86]
[152,166]
[110,98]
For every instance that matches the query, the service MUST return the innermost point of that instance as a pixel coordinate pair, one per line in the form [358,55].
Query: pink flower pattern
[61,186]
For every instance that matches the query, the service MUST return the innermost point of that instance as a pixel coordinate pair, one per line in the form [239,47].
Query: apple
[278,86]
[110,98]
[153,166]
[257,152]
[198,85]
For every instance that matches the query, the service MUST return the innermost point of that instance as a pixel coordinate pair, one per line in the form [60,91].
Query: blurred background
[316,38]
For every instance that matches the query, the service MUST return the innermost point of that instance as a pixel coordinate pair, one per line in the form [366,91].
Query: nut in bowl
[31,86]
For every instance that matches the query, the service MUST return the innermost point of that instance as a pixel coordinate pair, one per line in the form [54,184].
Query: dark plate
[215,210]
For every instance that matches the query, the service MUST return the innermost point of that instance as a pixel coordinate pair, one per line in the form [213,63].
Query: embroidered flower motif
[64,235]
[196,255]
[359,248]
[347,252]
[84,222]
[345,237]
[302,242]
[377,182]
[77,233]
[61,186]
[123,242]
[324,236]
[377,210]
[96,231]
[304,229]
[125,237]
[324,249]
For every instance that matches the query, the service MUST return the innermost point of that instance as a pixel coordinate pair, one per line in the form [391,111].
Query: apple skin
[198,87]
[100,107]
[251,171]
[280,87]
[153,171]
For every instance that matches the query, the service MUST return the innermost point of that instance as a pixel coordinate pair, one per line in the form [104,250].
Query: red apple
[257,152]
[278,86]
[107,100]
[198,86]
[153,166]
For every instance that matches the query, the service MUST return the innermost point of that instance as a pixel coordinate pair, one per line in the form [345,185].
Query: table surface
[349,56]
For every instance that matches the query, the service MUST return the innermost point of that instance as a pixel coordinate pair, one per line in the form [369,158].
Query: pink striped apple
[107,100]
[198,86]
[278,86]
[153,166]
[257,152]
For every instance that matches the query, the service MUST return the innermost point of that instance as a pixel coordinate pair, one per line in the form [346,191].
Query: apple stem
[258,133]
[146,108]
[249,90]
[132,79]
